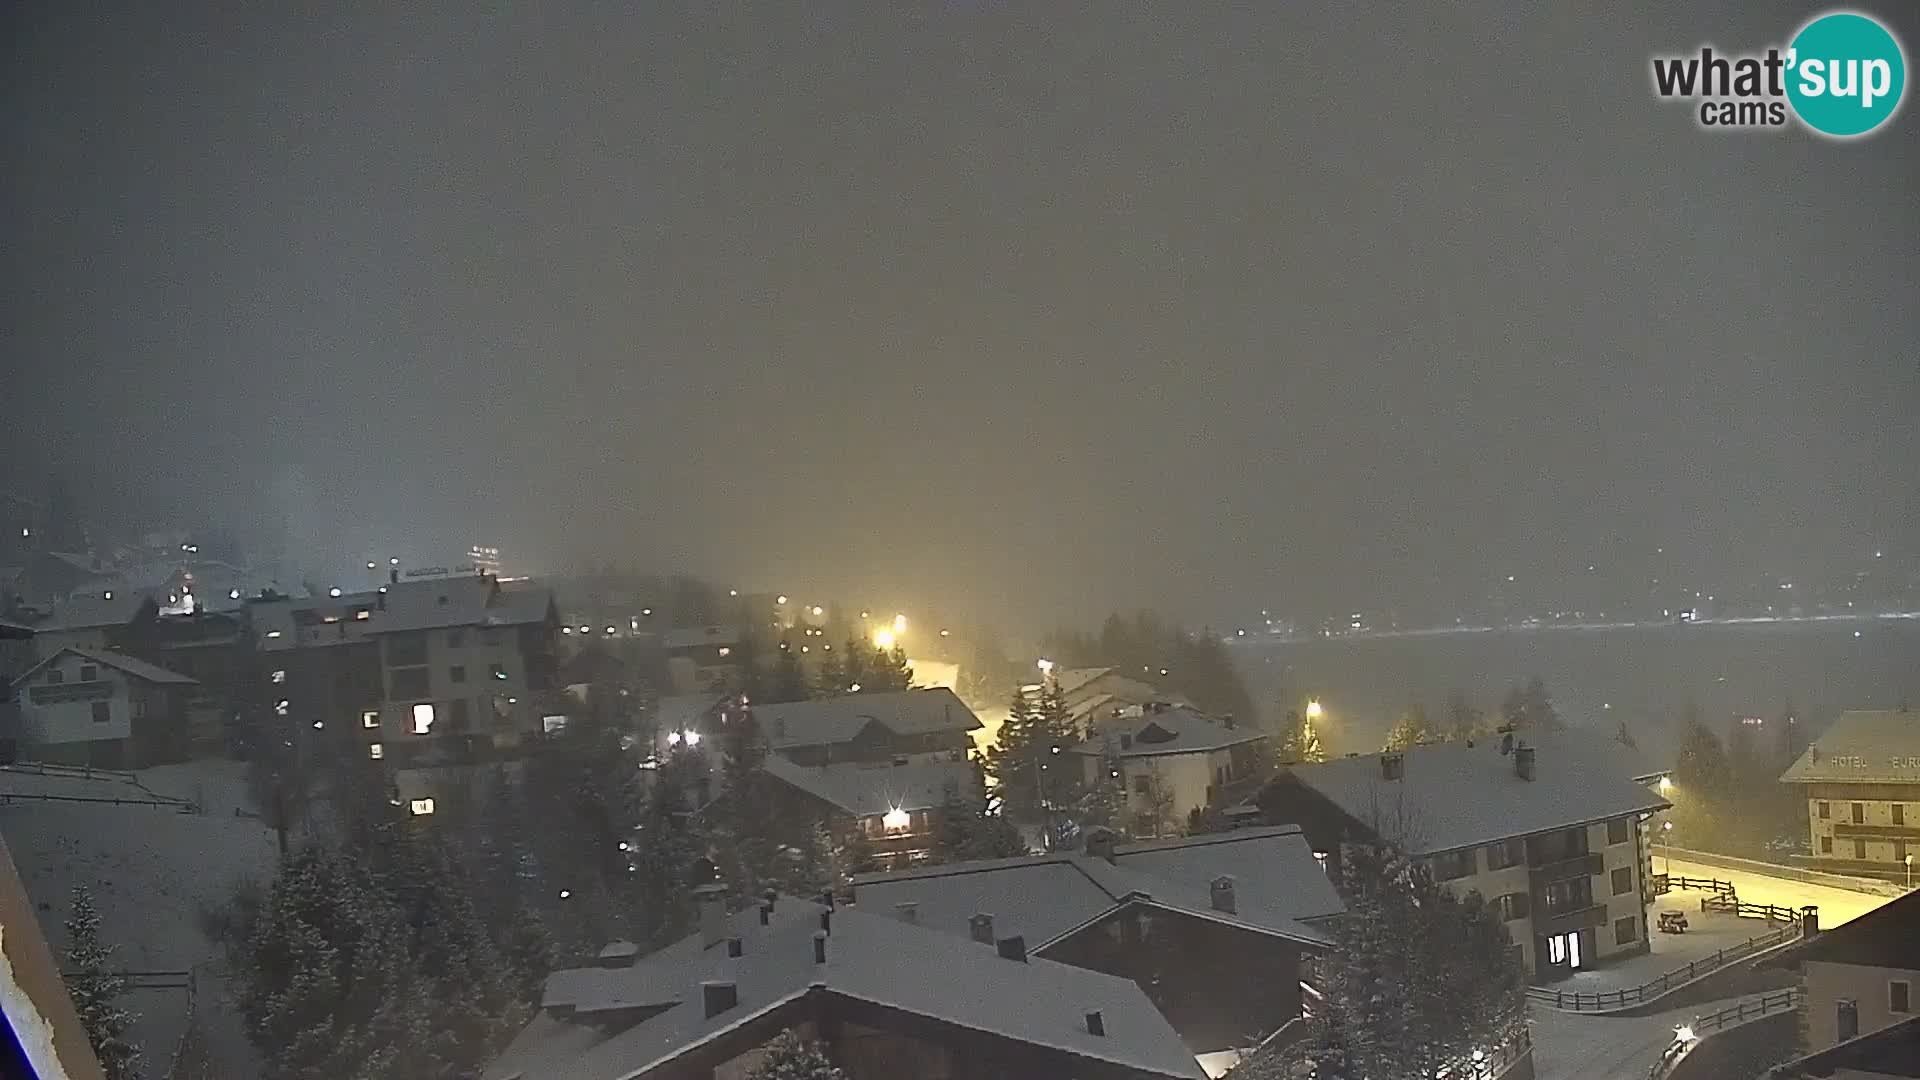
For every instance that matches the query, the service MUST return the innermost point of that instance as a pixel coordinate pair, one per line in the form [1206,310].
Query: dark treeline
[1194,665]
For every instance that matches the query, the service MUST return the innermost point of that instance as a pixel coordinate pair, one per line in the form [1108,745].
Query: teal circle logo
[1846,74]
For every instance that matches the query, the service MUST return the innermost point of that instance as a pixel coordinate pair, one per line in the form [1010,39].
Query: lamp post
[1666,830]
[1909,873]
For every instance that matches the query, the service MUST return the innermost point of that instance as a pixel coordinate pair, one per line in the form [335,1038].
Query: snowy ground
[1706,934]
[1571,1047]
[1836,905]
[151,869]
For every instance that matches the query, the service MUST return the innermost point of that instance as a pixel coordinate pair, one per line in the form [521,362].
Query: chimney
[908,910]
[766,914]
[826,921]
[618,954]
[393,576]
[1393,766]
[980,927]
[1096,1024]
[1013,948]
[380,598]
[713,914]
[1221,891]
[1523,762]
[819,946]
[826,897]
[1809,922]
[735,947]
[719,996]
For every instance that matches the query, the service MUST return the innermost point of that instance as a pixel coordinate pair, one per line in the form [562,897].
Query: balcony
[1566,922]
[1587,865]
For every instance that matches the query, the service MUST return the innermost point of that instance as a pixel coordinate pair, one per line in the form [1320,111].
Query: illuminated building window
[280,707]
[724,651]
[370,719]
[420,807]
[376,751]
[279,676]
[422,720]
[551,724]
[273,633]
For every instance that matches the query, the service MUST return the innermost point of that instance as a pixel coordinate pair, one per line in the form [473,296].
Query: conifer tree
[888,670]
[855,665]
[789,682]
[96,991]
[1411,729]
[1011,760]
[788,1058]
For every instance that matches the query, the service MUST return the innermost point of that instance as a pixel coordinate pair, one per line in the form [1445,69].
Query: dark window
[456,638]
[55,676]
[1899,851]
[1847,1018]
[1859,814]
[1618,830]
[1625,932]
[1859,849]
[1826,810]
[1514,906]
[407,650]
[1557,846]
[1897,997]
[1826,845]
[1623,881]
[457,715]
[499,672]
[409,683]
[1569,895]
[1505,854]
[89,673]
[1142,782]
[458,673]
[1899,814]
[102,712]
[1449,865]
[489,637]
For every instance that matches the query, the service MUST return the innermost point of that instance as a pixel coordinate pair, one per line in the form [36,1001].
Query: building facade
[1861,782]
[1553,835]
[1172,760]
[106,710]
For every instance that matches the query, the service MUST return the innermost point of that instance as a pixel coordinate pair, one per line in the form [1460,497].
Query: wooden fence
[1627,997]
[1738,1013]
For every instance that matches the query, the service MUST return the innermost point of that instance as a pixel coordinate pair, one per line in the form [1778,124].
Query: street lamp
[1666,829]
[1314,711]
[1909,873]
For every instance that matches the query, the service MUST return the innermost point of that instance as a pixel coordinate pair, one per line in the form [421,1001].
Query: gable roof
[828,721]
[1173,729]
[1888,936]
[466,600]
[1893,1050]
[1454,795]
[869,959]
[694,637]
[127,665]
[867,790]
[91,610]
[1045,898]
[1881,747]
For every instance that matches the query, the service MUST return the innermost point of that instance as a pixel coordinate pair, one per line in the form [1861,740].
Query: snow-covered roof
[1170,729]
[1455,795]
[698,636]
[871,959]
[91,610]
[1277,883]
[135,668]
[1862,748]
[864,790]
[828,721]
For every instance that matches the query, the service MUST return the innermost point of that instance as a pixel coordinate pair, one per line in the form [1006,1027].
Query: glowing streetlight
[883,640]
[896,820]
[781,599]
[1666,835]
[1684,1033]
[1044,664]
[1666,787]
[1314,711]
[818,611]
[899,624]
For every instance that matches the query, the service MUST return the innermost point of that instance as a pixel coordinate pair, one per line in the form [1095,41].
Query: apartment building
[1862,976]
[1172,760]
[103,709]
[1861,780]
[895,809]
[1550,832]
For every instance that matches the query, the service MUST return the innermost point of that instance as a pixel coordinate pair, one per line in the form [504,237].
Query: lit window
[422,720]
[551,724]
[693,738]
[280,707]
[420,807]
[896,820]
[376,751]
[370,718]
[362,614]
[724,651]
[273,633]
[279,676]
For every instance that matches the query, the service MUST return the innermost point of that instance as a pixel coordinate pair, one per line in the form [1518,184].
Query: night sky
[1040,309]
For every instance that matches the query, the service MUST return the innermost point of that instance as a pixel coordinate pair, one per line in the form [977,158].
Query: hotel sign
[1855,761]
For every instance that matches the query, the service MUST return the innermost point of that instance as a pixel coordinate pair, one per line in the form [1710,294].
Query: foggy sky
[1038,309]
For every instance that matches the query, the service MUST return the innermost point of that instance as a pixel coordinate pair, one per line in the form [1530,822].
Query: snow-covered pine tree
[96,990]
[889,670]
[788,1058]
